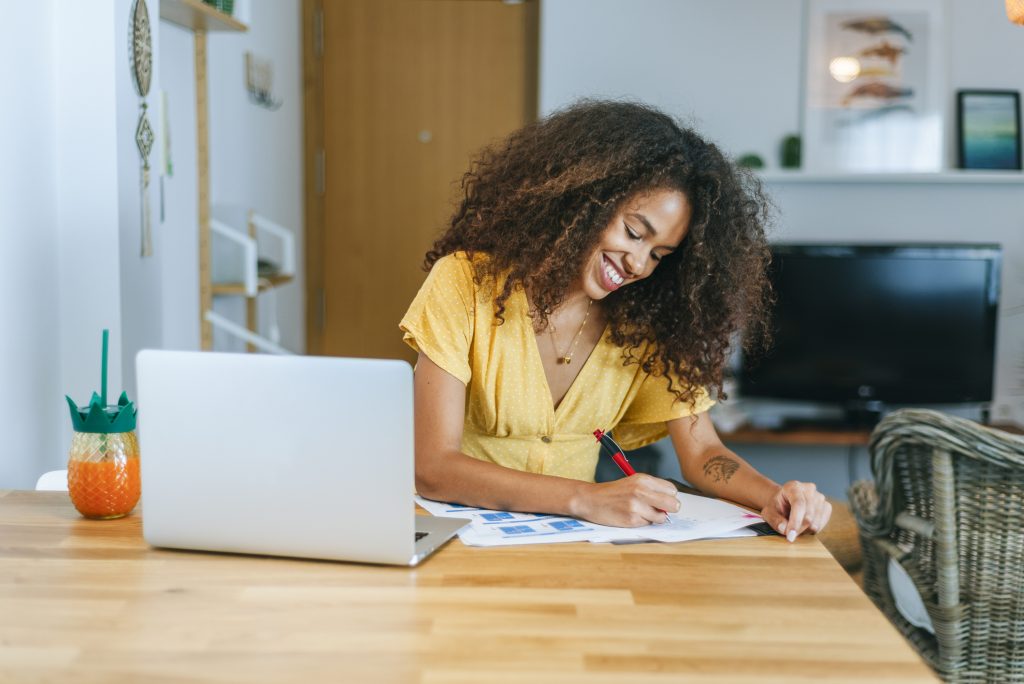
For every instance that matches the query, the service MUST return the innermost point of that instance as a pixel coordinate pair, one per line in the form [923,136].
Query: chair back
[947,504]
[53,481]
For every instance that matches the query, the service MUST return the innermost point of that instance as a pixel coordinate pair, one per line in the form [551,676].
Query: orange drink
[103,466]
[103,474]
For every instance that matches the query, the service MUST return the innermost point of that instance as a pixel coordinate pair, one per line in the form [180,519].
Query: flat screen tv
[864,326]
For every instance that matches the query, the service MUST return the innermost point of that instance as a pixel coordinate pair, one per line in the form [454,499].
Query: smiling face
[646,228]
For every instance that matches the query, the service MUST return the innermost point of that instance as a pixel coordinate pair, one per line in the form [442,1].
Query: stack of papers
[698,518]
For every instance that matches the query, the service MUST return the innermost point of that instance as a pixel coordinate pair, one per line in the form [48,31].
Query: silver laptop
[281,455]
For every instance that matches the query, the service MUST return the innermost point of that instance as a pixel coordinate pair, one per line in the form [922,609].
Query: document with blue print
[698,518]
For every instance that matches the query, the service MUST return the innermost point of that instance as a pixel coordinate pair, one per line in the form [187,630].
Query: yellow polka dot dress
[510,419]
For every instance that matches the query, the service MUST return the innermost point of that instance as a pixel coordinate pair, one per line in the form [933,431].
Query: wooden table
[87,601]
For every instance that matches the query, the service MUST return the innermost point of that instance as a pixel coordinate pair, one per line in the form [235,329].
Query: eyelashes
[633,235]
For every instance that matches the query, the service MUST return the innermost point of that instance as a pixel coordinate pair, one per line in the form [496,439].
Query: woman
[596,270]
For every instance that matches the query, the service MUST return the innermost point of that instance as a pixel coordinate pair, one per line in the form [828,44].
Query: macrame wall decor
[140,49]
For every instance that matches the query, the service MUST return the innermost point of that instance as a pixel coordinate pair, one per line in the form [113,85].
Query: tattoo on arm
[720,468]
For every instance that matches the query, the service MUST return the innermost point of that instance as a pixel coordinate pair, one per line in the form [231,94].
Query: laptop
[298,456]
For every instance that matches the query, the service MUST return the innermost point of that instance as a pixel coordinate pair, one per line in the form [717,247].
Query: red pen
[615,451]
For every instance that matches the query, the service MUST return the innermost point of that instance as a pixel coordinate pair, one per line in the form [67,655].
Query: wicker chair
[948,505]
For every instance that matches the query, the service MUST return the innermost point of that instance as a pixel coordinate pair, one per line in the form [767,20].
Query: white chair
[53,481]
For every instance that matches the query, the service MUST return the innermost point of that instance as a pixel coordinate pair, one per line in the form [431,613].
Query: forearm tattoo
[720,468]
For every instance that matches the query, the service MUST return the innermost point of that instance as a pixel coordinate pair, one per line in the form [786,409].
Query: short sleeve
[653,406]
[439,322]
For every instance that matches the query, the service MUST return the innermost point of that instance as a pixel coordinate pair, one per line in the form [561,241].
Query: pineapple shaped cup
[103,464]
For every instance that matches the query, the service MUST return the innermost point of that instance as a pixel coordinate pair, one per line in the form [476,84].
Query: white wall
[255,162]
[68,223]
[727,67]
[179,232]
[29,335]
[732,68]
[87,241]
[70,201]
[141,286]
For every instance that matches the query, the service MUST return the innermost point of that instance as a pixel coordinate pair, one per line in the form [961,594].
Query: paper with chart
[698,518]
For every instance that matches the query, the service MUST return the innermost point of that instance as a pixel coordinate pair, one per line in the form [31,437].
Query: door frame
[313,166]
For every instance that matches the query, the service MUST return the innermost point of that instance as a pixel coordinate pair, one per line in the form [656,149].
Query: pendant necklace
[566,358]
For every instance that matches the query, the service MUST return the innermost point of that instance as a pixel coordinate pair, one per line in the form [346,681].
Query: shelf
[804,436]
[947,177]
[265,283]
[812,436]
[201,19]
[195,15]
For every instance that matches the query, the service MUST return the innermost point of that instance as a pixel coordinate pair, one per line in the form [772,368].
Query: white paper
[698,518]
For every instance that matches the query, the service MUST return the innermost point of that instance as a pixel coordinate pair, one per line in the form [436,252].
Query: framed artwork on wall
[988,129]
[874,89]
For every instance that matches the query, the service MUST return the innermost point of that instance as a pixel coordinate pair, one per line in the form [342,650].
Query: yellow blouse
[510,419]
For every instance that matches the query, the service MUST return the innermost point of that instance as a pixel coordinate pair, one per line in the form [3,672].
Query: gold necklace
[567,357]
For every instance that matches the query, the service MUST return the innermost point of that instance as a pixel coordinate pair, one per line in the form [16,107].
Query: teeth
[613,275]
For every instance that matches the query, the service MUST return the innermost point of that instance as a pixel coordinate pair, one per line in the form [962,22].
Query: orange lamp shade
[1015,11]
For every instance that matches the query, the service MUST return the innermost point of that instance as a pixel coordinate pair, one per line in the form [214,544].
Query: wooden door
[409,90]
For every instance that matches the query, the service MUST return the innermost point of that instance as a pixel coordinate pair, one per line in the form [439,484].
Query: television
[860,327]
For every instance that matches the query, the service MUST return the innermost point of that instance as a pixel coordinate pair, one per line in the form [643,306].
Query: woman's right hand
[631,501]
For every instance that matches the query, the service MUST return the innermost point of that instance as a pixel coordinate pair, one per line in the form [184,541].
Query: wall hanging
[140,50]
[875,86]
[259,81]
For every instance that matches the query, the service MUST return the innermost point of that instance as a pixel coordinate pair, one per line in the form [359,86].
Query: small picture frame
[988,129]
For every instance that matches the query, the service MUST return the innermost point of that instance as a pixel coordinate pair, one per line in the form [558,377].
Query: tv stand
[802,433]
[821,433]
[825,425]
[863,415]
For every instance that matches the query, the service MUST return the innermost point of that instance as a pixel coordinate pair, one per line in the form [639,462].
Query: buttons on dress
[546,439]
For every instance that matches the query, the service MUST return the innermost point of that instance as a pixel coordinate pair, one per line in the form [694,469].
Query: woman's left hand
[797,507]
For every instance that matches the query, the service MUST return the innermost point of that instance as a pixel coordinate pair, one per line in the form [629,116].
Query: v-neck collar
[555,412]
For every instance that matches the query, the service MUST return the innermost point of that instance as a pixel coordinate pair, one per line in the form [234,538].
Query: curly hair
[537,202]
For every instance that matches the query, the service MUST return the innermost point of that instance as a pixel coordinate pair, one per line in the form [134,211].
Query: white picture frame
[875,86]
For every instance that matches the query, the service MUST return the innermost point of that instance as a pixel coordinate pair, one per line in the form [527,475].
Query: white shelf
[966,177]
[243,274]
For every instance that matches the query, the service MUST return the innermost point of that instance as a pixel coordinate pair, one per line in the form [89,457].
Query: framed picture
[988,129]
[874,89]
